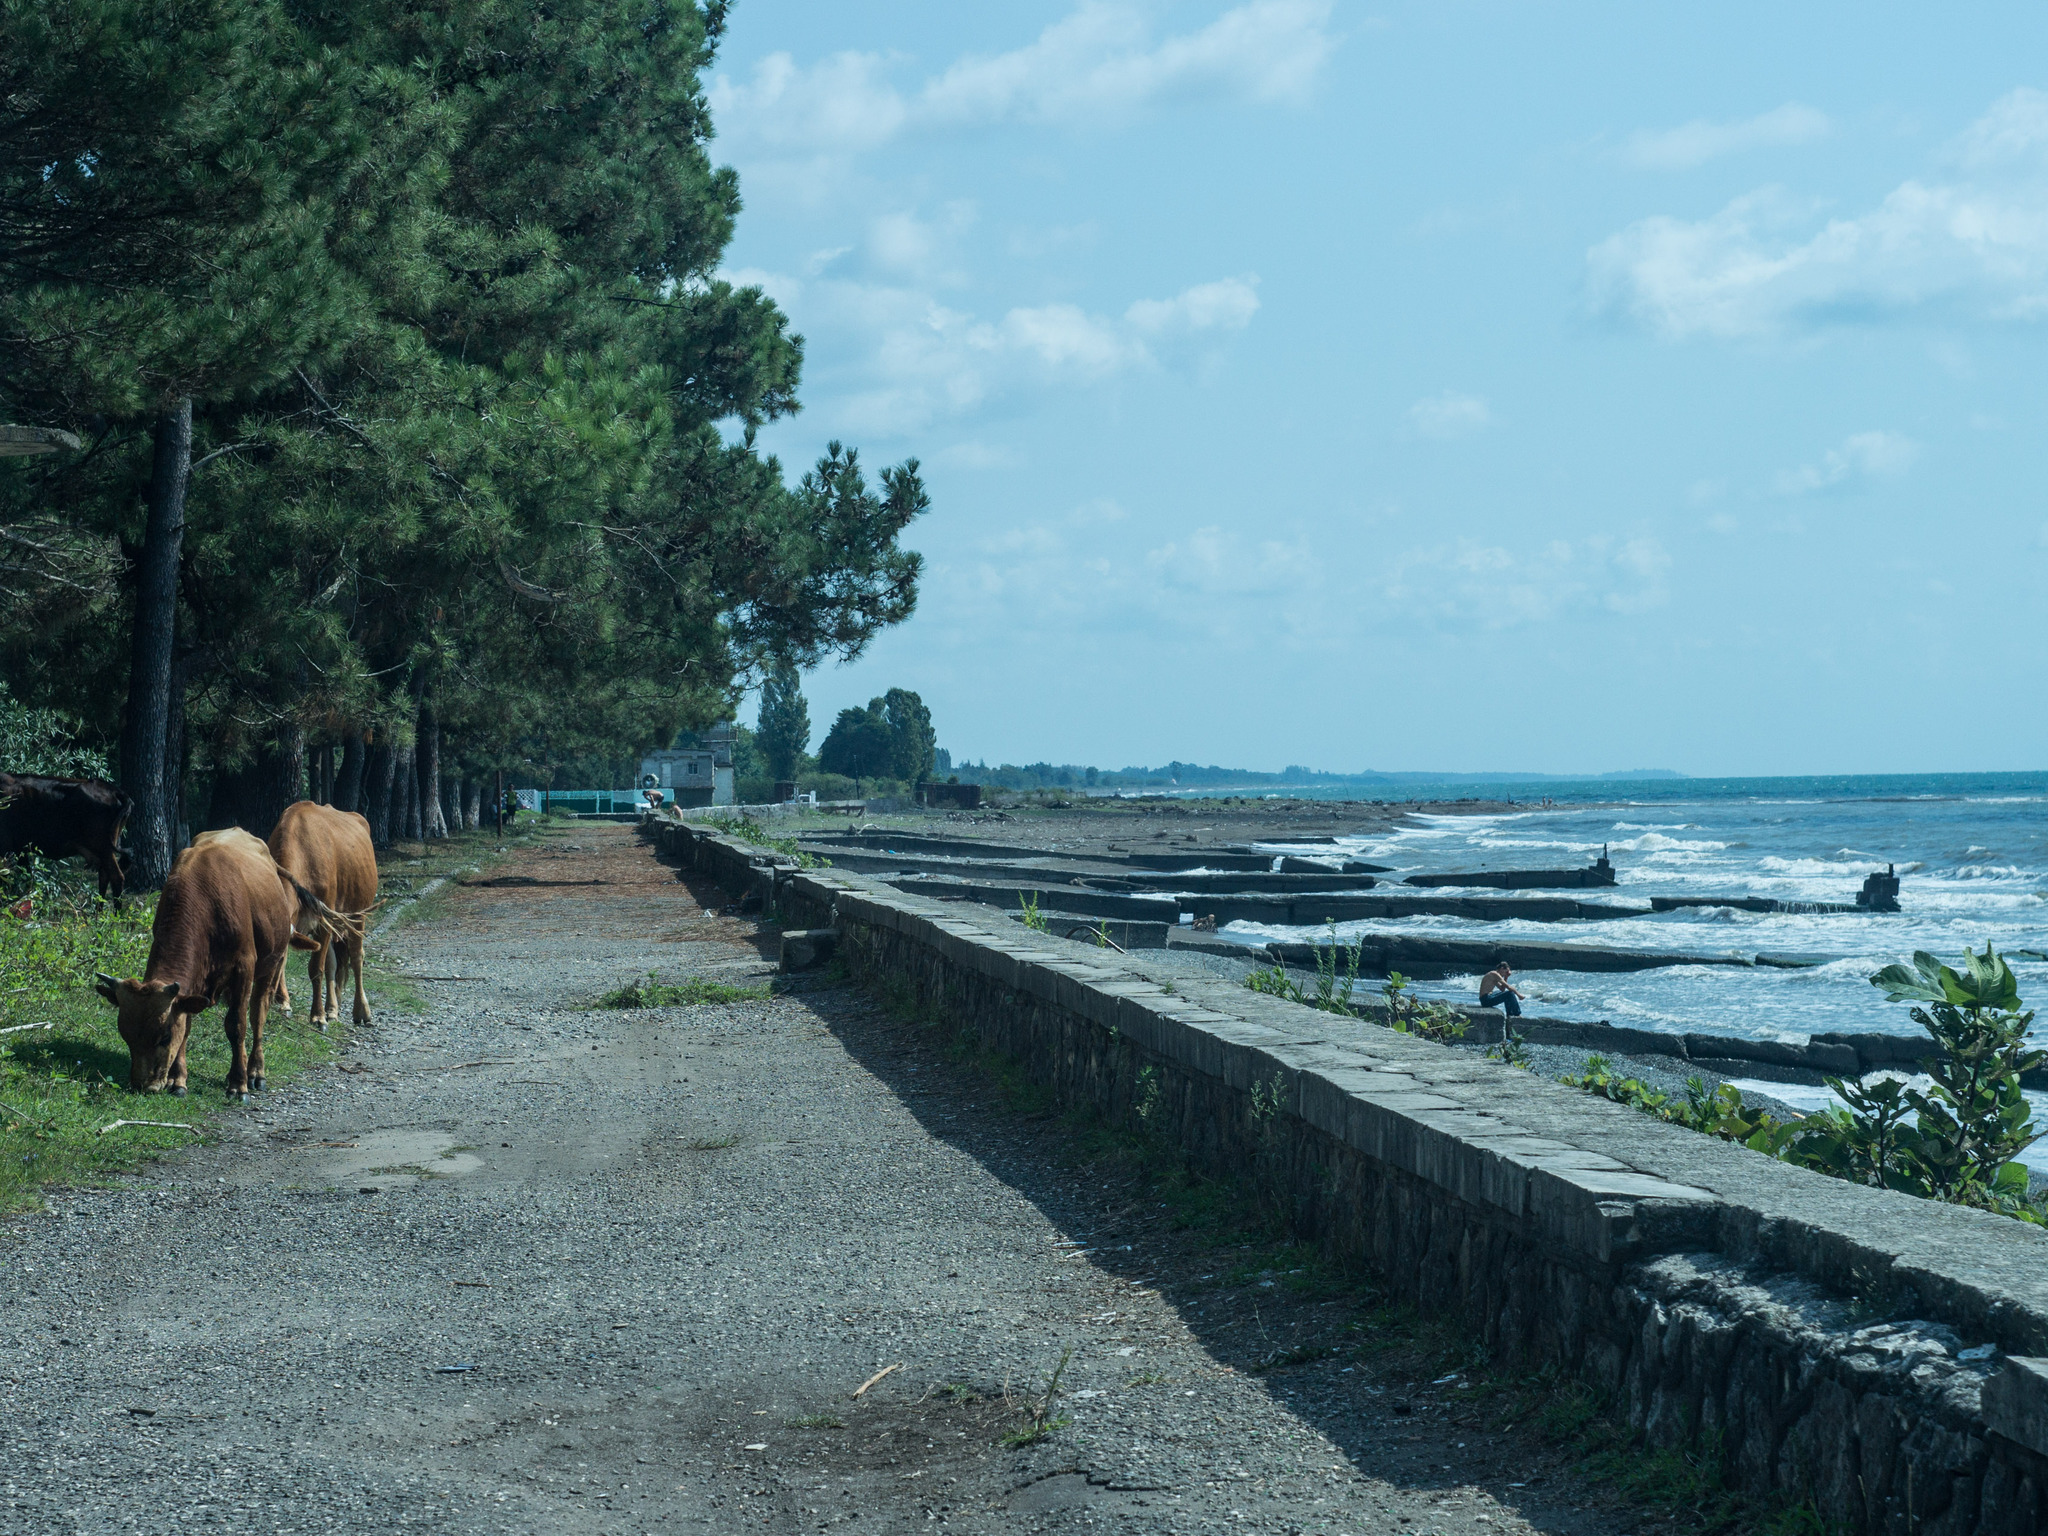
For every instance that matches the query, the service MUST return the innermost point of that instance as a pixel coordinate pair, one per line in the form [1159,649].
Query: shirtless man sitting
[1495,992]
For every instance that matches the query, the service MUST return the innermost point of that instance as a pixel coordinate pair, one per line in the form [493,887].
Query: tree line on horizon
[418,434]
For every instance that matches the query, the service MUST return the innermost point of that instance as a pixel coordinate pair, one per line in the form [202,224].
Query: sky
[1427,387]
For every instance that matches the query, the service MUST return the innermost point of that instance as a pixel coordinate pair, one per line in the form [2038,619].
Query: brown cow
[329,853]
[223,926]
[63,819]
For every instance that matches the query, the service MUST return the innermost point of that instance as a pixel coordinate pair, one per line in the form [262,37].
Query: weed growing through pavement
[748,830]
[691,991]
[1033,918]
[1039,1418]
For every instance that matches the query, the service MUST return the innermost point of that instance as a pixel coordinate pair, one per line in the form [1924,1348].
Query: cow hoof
[239,1095]
[176,1090]
[255,1085]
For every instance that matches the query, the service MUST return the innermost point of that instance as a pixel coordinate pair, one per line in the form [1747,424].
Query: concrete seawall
[1879,1355]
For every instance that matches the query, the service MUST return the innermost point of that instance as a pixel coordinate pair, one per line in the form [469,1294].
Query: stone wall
[1879,1355]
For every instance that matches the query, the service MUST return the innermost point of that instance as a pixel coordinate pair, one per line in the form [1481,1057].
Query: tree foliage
[473,455]
[859,745]
[783,732]
[891,738]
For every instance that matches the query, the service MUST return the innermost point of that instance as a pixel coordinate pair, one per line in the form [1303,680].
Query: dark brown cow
[330,854]
[63,819]
[222,931]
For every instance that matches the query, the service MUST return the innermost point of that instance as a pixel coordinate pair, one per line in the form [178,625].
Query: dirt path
[520,1265]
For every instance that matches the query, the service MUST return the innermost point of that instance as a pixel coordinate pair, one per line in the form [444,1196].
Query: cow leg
[181,1034]
[337,965]
[281,993]
[242,992]
[260,1009]
[316,987]
[354,949]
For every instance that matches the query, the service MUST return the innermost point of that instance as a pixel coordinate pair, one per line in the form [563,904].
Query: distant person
[1496,992]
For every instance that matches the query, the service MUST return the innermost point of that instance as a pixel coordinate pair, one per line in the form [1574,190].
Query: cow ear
[107,987]
[170,992]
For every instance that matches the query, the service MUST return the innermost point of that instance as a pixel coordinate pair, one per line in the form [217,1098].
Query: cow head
[152,1024]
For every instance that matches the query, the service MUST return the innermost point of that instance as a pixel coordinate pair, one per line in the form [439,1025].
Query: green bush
[1958,1141]
[43,741]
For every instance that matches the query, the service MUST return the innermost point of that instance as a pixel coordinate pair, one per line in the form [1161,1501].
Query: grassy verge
[1238,1225]
[62,1086]
[64,1081]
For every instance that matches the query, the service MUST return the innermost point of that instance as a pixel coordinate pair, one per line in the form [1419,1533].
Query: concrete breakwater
[1878,1355]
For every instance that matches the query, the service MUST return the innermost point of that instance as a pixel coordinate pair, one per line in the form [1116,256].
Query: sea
[1971,851]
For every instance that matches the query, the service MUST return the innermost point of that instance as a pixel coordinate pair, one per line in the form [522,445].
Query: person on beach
[1495,991]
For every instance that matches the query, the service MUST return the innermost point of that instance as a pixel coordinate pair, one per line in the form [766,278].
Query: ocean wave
[1837,869]
[1654,841]
[1650,826]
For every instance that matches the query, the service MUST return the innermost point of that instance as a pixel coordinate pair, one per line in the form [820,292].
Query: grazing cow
[223,928]
[330,854]
[63,819]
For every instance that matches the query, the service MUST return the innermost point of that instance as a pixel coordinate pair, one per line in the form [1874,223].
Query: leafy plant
[1411,1015]
[1512,1049]
[748,830]
[1970,1127]
[1033,918]
[1148,1093]
[1039,1419]
[43,741]
[1965,1133]
[1102,934]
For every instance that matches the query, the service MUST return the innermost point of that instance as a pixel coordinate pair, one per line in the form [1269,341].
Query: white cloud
[1863,456]
[1226,305]
[1500,588]
[1971,244]
[1063,337]
[922,360]
[1098,65]
[1697,142]
[1448,415]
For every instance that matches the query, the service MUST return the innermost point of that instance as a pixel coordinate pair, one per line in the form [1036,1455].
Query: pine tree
[912,741]
[784,731]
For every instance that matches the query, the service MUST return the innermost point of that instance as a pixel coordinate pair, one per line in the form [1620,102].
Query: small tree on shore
[784,732]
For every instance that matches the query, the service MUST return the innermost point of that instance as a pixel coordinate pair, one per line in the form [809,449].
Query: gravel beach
[516,1264]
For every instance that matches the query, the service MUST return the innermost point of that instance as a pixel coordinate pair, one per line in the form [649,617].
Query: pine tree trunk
[410,790]
[276,779]
[432,822]
[473,804]
[174,760]
[379,779]
[348,784]
[150,832]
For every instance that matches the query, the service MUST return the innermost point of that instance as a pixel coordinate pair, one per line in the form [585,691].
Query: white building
[699,775]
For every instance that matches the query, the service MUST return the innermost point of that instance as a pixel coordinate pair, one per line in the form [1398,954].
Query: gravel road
[518,1265]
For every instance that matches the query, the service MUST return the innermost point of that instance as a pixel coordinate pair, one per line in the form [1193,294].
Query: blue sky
[1442,386]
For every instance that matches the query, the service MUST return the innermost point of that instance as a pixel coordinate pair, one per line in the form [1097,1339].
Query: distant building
[699,773]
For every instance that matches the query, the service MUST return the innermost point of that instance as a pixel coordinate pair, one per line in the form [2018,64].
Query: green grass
[61,1085]
[691,991]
